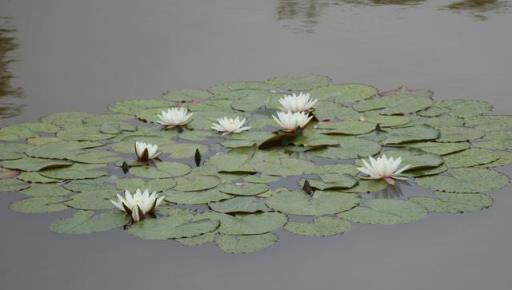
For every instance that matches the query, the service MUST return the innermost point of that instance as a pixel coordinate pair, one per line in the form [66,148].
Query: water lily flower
[297,103]
[146,151]
[174,117]
[384,168]
[291,121]
[139,205]
[230,125]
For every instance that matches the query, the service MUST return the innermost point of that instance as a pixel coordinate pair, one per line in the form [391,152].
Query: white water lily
[297,103]
[138,205]
[174,117]
[291,121]
[230,125]
[146,151]
[386,168]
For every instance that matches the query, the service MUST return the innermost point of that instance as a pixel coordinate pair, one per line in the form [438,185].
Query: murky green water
[83,55]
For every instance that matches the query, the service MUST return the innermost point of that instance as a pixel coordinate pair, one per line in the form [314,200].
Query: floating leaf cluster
[239,190]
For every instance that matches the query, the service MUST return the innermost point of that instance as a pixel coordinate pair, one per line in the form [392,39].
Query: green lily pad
[196,182]
[61,150]
[86,222]
[64,119]
[183,150]
[298,82]
[75,171]
[198,240]
[410,134]
[95,156]
[367,186]
[438,122]
[459,134]
[35,177]
[90,133]
[38,190]
[500,140]
[248,224]
[132,107]
[158,185]
[245,244]
[489,123]
[34,164]
[349,148]
[172,227]
[320,203]
[400,101]
[322,226]
[440,148]
[264,179]
[44,204]
[187,95]
[12,184]
[196,197]
[470,157]
[240,204]
[344,93]
[465,108]
[349,127]
[243,188]
[465,180]
[332,181]
[416,158]
[93,200]
[454,202]
[161,170]
[386,211]
[88,185]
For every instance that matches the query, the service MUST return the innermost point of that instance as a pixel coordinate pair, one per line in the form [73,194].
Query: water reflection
[307,12]
[7,89]
[478,7]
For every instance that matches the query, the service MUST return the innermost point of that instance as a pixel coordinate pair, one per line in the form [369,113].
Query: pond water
[84,55]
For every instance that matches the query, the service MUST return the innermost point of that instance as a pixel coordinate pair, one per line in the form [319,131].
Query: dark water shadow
[304,15]
[8,90]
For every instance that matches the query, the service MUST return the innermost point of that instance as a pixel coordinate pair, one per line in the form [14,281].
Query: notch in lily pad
[125,167]
[198,158]
[307,188]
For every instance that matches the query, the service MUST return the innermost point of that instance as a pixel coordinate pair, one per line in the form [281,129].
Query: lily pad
[76,171]
[454,202]
[248,224]
[183,150]
[243,188]
[400,101]
[344,93]
[196,182]
[38,190]
[35,177]
[196,197]
[198,240]
[416,158]
[459,134]
[298,82]
[245,244]
[12,184]
[322,226]
[489,123]
[163,169]
[440,148]
[34,164]
[465,108]
[346,127]
[92,200]
[386,211]
[465,180]
[470,157]
[158,185]
[410,134]
[171,227]
[320,203]
[45,204]
[240,204]
[86,222]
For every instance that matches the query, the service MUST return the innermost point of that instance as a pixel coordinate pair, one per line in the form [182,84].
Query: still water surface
[83,55]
